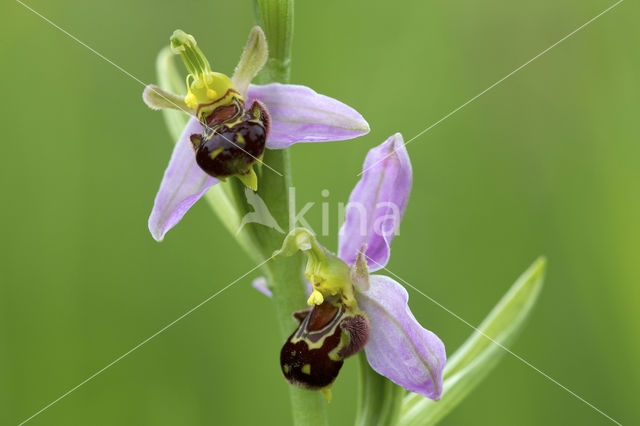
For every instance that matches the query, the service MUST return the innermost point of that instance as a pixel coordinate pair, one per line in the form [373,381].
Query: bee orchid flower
[232,123]
[352,309]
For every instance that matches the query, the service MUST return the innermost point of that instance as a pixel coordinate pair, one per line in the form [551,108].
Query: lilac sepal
[260,284]
[377,203]
[399,348]
[299,114]
[183,184]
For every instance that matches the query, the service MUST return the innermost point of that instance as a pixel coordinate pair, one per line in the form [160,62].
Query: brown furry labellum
[313,355]
[233,139]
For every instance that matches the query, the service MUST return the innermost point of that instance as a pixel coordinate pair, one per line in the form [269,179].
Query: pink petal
[183,184]
[399,348]
[377,203]
[261,285]
[298,114]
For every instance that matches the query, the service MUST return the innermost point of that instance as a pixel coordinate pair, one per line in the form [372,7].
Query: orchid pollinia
[233,122]
[350,309]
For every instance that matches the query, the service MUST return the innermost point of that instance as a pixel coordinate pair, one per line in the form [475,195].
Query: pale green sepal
[169,79]
[227,211]
[224,207]
[379,399]
[158,99]
[471,363]
[253,58]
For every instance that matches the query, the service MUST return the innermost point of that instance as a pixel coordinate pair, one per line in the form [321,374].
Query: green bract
[475,359]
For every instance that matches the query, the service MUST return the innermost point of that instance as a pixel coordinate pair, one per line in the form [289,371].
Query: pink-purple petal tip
[399,348]
[377,203]
[299,114]
[183,184]
[261,285]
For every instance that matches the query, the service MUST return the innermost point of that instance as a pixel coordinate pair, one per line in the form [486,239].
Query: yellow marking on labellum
[311,344]
[208,106]
[326,392]
[334,355]
[286,368]
[306,369]
[240,139]
[324,333]
[215,153]
[249,179]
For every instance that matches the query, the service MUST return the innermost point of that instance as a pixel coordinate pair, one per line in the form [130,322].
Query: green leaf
[473,361]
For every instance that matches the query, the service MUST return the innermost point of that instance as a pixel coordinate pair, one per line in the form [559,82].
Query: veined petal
[298,114]
[399,348]
[377,203]
[183,184]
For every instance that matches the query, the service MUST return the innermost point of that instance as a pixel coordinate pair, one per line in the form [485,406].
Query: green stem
[378,398]
[276,19]
[284,274]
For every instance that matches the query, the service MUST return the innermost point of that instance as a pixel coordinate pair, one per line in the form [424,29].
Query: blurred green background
[545,163]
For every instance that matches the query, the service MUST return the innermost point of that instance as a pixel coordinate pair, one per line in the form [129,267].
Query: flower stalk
[276,19]
[284,273]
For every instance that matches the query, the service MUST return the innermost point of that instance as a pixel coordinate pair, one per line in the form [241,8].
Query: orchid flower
[351,309]
[233,122]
